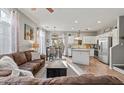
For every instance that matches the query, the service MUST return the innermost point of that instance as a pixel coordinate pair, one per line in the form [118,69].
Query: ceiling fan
[49,9]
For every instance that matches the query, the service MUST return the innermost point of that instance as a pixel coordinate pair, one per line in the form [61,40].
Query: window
[5,32]
[42,48]
[5,16]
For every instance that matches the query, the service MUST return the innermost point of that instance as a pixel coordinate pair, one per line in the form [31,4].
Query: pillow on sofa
[20,58]
[35,55]
[28,55]
[8,63]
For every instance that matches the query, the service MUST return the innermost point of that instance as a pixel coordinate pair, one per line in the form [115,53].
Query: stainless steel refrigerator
[104,49]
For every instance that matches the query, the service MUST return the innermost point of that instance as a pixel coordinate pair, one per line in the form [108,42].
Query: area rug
[42,72]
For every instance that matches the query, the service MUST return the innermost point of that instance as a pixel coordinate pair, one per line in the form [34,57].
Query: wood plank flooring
[95,67]
[98,68]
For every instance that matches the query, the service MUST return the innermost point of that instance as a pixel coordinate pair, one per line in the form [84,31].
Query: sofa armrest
[5,72]
[43,57]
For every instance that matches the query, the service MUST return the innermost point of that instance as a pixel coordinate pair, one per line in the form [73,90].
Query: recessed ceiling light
[72,28]
[76,21]
[98,22]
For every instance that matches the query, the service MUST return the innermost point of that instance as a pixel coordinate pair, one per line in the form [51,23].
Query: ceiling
[87,19]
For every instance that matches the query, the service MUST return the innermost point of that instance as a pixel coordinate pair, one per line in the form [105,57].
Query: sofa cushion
[28,55]
[20,58]
[35,55]
[26,68]
[43,57]
[33,67]
[20,81]
[85,79]
[40,61]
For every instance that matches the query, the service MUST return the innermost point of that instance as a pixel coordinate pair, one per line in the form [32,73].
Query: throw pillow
[35,55]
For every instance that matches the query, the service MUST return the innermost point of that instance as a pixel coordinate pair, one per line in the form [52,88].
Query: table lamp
[35,45]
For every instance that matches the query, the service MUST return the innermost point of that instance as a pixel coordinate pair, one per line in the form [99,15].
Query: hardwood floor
[95,67]
[98,68]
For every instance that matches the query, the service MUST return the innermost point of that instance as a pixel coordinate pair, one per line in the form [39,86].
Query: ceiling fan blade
[50,10]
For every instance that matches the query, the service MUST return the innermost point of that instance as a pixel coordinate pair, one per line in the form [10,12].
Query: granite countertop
[84,50]
[81,48]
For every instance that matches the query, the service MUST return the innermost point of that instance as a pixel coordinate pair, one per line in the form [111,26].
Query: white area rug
[73,70]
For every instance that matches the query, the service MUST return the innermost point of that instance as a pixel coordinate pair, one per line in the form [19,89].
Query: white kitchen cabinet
[81,56]
[107,34]
[115,37]
[89,40]
[91,52]
[114,34]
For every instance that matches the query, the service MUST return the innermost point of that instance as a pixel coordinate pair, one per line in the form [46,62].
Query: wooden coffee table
[56,69]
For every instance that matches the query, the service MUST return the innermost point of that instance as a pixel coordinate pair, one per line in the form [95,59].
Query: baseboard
[119,70]
[118,64]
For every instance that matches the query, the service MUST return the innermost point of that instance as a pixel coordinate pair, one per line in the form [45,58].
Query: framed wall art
[28,32]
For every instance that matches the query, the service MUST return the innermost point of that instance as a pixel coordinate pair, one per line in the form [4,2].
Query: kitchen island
[81,56]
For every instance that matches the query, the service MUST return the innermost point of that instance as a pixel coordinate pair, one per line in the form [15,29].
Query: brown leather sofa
[5,72]
[24,61]
[85,79]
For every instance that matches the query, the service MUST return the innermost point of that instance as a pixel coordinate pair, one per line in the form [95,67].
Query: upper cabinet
[107,34]
[89,40]
[114,34]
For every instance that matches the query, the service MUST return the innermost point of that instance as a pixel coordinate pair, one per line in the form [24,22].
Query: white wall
[117,52]
[25,44]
